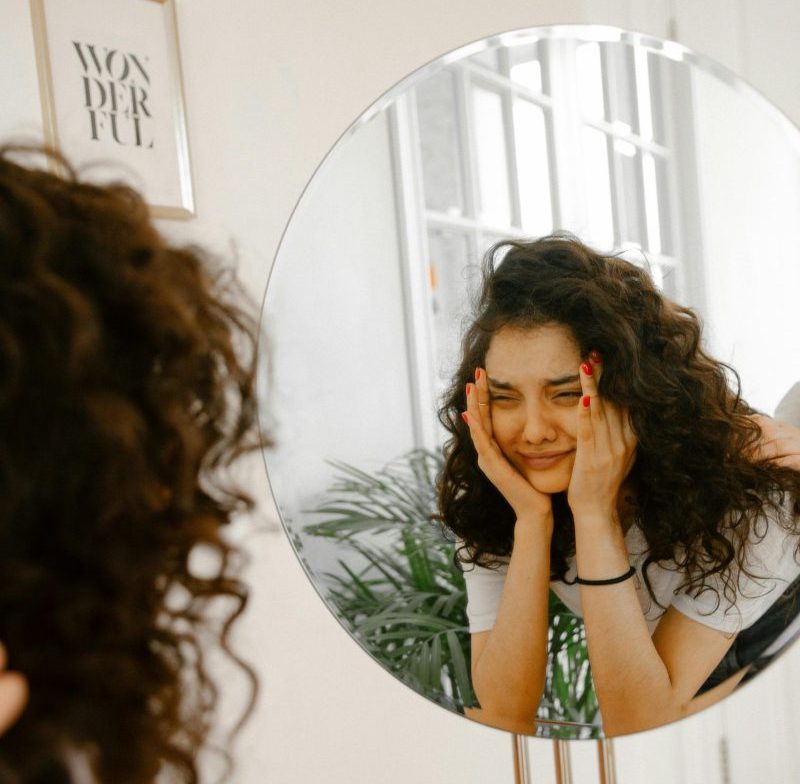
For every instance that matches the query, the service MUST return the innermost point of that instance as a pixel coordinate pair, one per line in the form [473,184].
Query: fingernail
[477,374]
[586,368]
[468,389]
[465,417]
[585,400]
[595,356]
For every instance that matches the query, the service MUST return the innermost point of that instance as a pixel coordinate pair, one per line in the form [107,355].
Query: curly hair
[698,494]
[126,388]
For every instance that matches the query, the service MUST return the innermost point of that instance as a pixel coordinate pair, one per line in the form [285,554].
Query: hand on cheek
[524,499]
[605,453]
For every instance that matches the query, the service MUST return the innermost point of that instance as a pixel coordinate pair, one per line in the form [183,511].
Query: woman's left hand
[605,454]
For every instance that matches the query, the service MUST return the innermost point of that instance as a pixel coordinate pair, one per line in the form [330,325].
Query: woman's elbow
[512,702]
[626,720]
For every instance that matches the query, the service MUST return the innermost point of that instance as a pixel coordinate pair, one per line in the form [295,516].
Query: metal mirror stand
[605,761]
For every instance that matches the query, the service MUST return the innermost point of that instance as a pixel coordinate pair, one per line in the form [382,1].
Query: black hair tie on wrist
[610,581]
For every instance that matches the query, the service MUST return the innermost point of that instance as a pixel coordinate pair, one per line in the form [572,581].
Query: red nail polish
[465,417]
[586,368]
[477,374]
[586,400]
[595,357]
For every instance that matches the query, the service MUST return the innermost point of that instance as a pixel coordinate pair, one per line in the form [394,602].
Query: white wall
[745,182]
[269,88]
[335,301]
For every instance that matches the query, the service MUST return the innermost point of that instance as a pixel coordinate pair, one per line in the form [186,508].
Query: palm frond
[406,601]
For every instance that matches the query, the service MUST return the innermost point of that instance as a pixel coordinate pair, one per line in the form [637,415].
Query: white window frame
[563,122]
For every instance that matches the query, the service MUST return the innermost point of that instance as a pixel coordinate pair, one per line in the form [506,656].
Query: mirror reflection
[677,184]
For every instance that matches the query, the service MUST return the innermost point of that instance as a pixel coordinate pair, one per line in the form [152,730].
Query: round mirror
[632,144]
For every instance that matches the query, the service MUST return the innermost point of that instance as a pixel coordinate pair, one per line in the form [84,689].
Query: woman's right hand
[527,502]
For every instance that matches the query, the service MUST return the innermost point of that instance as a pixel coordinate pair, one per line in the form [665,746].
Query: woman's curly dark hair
[126,387]
[698,492]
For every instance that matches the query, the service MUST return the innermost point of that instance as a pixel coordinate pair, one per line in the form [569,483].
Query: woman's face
[534,390]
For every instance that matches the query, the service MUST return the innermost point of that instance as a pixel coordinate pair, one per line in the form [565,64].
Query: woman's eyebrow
[557,382]
[572,378]
[499,384]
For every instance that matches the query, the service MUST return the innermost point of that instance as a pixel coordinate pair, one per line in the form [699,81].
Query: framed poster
[112,94]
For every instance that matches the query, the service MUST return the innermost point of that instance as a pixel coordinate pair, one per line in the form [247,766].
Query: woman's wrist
[538,523]
[596,518]
[600,550]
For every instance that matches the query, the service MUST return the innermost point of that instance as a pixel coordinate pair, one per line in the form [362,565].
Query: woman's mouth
[540,460]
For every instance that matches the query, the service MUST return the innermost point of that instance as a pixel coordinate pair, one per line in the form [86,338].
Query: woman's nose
[538,425]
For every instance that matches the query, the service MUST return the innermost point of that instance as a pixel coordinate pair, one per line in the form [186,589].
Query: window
[519,141]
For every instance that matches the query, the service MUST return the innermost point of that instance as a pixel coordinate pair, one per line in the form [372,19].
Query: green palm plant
[401,595]
[568,691]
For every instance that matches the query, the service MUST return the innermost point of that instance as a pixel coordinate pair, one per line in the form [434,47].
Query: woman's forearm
[632,683]
[508,676]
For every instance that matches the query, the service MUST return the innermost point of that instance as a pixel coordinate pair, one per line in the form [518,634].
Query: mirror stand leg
[605,761]
[520,752]
[563,768]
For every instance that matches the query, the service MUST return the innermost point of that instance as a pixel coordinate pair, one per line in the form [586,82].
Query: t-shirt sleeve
[484,591]
[772,566]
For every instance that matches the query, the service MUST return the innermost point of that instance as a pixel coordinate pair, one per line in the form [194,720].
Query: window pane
[590,81]
[600,217]
[439,143]
[454,275]
[651,203]
[533,171]
[622,83]
[490,144]
[659,215]
[643,93]
[627,161]
[656,71]
[525,66]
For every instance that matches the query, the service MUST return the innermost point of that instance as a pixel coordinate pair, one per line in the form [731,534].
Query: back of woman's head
[693,429]
[126,384]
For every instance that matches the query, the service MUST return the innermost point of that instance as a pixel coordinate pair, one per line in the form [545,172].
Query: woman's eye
[499,398]
[574,394]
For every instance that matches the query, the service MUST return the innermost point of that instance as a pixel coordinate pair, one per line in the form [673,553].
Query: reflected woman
[598,451]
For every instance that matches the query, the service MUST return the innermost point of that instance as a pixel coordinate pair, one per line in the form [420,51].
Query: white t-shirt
[772,560]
